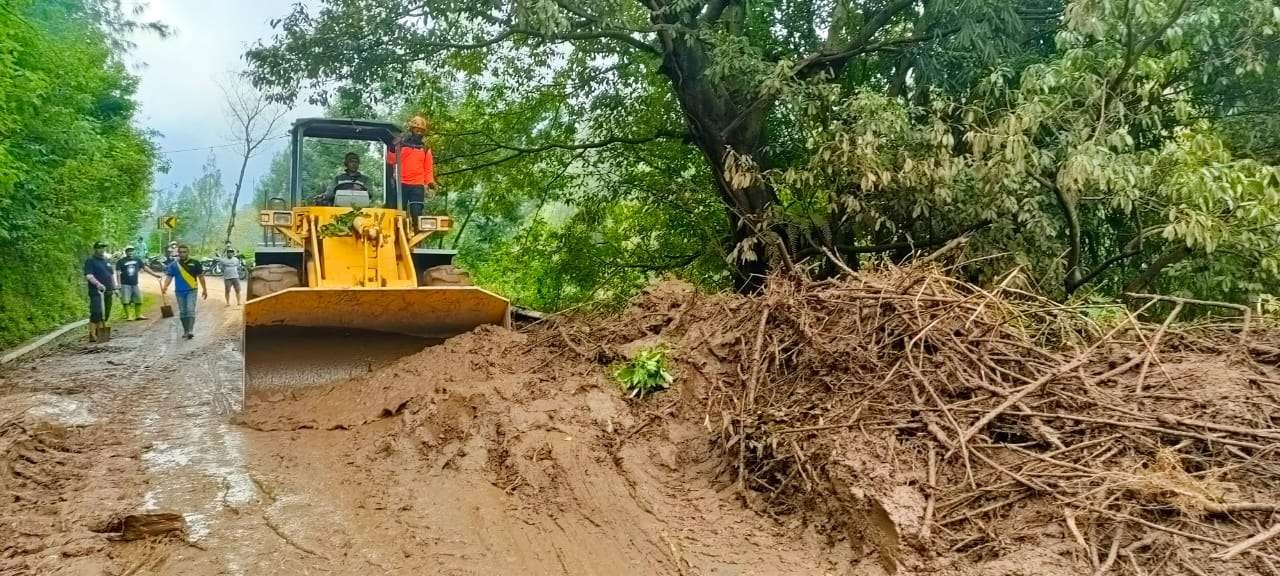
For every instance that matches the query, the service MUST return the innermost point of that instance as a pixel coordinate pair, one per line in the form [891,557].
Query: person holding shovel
[97,271]
[183,272]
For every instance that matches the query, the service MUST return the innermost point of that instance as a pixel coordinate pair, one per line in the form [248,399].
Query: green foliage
[646,373]
[341,225]
[1100,145]
[73,167]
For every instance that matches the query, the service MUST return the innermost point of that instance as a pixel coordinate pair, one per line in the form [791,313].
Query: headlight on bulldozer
[275,218]
[434,223]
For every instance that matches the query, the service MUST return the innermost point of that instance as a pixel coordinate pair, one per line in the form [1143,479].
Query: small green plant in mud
[646,373]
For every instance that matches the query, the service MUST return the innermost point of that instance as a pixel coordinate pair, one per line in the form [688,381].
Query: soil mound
[473,357]
[894,422]
[511,456]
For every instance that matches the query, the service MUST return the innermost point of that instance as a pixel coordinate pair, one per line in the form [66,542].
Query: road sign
[170,222]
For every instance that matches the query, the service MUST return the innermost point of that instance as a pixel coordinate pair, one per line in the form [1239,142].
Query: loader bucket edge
[430,312]
[305,337]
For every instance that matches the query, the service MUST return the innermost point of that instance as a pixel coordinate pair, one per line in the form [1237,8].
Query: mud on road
[468,458]
[502,452]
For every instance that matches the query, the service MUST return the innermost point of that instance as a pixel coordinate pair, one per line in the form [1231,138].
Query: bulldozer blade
[308,337]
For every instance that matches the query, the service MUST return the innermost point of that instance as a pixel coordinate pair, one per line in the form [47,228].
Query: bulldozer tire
[447,275]
[271,278]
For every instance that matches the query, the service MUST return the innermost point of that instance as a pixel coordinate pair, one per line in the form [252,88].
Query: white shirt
[231,267]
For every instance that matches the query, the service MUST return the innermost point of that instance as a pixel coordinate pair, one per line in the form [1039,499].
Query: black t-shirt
[100,269]
[129,269]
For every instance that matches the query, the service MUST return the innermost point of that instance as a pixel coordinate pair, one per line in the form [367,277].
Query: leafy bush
[645,374]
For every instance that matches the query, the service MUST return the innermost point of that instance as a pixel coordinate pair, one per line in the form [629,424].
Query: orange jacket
[417,165]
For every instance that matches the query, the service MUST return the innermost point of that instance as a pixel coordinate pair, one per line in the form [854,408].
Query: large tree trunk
[719,123]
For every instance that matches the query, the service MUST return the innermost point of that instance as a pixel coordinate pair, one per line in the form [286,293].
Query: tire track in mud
[197,459]
[168,403]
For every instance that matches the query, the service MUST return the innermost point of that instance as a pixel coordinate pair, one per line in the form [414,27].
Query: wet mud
[281,360]
[459,459]
[493,453]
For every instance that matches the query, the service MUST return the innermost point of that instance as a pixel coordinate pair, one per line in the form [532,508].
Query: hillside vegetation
[73,166]
[1101,146]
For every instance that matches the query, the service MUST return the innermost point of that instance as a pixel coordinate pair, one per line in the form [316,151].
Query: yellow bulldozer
[343,282]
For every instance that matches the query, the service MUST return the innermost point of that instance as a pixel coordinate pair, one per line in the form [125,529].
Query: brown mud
[462,459]
[496,452]
[280,360]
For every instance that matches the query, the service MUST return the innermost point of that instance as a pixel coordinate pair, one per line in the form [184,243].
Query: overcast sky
[179,93]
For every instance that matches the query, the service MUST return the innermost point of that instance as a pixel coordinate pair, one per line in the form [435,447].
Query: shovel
[166,311]
[100,332]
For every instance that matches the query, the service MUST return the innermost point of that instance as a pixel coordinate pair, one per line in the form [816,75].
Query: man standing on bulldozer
[183,272]
[417,168]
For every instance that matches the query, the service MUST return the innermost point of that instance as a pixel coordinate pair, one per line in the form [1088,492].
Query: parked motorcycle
[212,266]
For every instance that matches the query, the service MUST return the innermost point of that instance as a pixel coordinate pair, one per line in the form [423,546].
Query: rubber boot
[137,312]
[93,331]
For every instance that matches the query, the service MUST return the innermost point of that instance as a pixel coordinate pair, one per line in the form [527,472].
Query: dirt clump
[145,526]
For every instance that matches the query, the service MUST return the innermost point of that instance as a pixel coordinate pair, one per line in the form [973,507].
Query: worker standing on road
[417,168]
[130,295]
[183,272]
[97,271]
[231,268]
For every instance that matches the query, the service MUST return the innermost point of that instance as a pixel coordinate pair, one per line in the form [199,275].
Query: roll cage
[342,129]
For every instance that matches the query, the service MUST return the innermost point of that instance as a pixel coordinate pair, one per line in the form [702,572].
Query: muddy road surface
[466,458]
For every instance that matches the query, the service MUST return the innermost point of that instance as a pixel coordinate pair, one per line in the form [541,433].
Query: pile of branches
[1017,418]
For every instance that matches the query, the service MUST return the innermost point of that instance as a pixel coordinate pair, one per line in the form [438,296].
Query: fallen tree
[933,422]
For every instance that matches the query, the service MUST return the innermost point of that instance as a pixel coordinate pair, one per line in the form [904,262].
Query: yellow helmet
[418,122]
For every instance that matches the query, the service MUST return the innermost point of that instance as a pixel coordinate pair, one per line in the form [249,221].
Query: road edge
[38,343]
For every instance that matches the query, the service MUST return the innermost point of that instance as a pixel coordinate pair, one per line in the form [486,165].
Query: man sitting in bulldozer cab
[351,179]
[350,187]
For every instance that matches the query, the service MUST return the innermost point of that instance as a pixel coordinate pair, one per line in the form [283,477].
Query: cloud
[179,95]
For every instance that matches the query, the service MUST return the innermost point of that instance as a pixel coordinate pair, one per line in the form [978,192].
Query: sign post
[169,223]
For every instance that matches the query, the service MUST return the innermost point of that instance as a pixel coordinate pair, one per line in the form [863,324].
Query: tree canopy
[1103,144]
